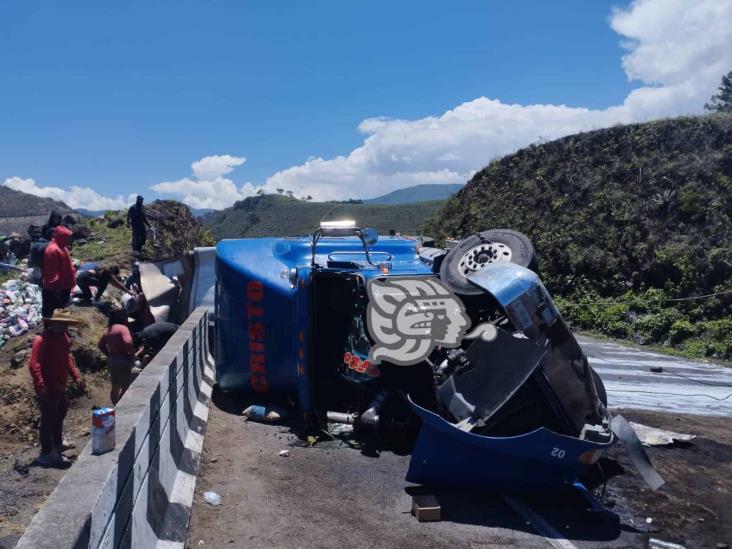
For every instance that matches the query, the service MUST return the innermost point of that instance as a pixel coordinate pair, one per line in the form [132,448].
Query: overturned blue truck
[460,356]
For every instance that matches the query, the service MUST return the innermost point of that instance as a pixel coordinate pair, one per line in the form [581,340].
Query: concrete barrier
[140,494]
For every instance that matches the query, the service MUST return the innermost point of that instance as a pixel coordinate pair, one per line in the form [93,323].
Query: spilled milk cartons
[102,432]
[20,308]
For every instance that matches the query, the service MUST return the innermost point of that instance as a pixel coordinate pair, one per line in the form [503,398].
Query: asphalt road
[683,386]
[328,496]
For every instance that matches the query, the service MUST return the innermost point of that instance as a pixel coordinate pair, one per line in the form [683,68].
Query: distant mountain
[90,213]
[16,204]
[200,212]
[18,210]
[417,193]
[276,215]
[197,212]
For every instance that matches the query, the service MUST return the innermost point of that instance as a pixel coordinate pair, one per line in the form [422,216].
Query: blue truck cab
[518,413]
[271,304]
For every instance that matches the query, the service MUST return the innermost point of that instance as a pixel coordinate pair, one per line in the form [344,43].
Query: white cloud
[212,167]
[207,188]
[75,197]
[677,49]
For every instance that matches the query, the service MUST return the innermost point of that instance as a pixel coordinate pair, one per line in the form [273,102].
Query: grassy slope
[628,216]
[274,215]
[108,246]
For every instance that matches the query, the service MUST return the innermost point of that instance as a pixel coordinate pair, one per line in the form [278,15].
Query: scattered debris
[20,468]
[339,429]
[656,369]
[284,453]
[654,543]
[20,308]
[426,508]
[650,436]
[19,359]
[264,414]
[212,498]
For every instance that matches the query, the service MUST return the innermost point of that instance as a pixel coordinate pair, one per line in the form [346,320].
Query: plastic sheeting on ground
[20,308]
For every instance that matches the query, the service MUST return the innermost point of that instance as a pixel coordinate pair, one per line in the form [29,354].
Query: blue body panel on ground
[537,461]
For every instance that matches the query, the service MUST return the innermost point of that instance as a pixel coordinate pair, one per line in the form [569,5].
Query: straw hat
[63,316]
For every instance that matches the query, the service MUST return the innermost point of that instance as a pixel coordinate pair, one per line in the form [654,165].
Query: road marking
[545,529]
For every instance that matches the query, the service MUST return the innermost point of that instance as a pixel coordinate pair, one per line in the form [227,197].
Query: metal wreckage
[460,356]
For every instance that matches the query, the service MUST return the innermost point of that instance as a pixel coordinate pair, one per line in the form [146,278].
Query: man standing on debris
[59,276]
[50,365]
[137,220]
[116,344]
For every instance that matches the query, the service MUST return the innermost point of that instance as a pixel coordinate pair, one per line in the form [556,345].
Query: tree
[289,193]
[722,102]
[260,192]
[280,191]
[308,198]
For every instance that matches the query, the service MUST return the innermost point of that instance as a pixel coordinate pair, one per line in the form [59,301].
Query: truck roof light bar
[343,227]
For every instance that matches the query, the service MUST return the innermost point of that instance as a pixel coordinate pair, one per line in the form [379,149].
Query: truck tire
[476,251]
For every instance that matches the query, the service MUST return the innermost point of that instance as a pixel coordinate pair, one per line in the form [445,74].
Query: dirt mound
[176,230]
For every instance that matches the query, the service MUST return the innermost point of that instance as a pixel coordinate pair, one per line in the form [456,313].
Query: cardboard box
[426,508]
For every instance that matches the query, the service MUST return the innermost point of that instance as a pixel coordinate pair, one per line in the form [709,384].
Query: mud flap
[625,433]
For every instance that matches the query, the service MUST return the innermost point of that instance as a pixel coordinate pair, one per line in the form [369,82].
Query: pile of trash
[20,308]
[176,229]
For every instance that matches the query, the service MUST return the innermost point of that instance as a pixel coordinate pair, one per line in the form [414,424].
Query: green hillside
[276,215]
[631,215]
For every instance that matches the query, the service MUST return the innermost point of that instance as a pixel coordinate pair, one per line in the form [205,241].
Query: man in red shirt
[50,365]
[59,276]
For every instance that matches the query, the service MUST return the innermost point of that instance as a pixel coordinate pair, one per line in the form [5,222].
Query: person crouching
[100,279]
[116,344]
[50,365]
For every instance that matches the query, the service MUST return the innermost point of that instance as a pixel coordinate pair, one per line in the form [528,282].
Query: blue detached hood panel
[537,461]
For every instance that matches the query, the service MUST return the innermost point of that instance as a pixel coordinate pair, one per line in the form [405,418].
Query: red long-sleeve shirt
[51,362]
[58,271]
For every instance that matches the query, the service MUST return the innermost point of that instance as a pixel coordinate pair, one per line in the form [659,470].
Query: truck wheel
[476,251]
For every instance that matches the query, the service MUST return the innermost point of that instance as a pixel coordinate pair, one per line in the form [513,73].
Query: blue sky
[116,98]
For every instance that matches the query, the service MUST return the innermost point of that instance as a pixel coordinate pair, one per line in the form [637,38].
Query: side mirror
[370,236]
